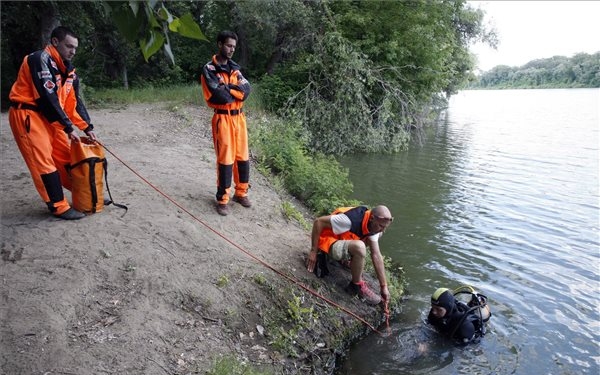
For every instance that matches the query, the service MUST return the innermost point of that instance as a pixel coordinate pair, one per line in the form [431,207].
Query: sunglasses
[382,218]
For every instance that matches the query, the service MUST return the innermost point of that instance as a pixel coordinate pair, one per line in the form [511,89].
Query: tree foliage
[374,68]
[149,22]
[581,70]
[351,108]
[355,74]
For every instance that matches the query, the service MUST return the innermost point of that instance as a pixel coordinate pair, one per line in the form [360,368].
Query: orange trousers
[46,150]
[230,139]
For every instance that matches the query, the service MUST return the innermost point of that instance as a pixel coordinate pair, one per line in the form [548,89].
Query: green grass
[317,180]
[189,94]
[178,94]
[290,212]
[231,366]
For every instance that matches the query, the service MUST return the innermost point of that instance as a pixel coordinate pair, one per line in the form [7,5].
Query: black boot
[321,269]
[71,214]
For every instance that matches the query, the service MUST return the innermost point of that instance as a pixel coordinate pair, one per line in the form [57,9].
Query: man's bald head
[381,212]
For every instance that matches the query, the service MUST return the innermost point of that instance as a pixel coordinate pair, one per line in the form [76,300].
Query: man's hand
[385,293]
[311,261]
[91,135]
[74,137]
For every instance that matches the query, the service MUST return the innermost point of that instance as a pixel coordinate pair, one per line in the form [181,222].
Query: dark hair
[61,33]
[226,34]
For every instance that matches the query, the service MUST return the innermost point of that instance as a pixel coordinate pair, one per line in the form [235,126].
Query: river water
[502,194]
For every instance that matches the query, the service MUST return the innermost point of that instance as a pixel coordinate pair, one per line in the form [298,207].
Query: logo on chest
[49,85]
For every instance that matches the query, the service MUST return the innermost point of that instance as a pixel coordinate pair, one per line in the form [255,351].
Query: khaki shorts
[339,250]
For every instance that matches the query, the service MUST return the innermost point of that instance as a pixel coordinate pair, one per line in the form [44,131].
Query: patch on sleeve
[49,85]
[211,67]
[241,79]
[44,74]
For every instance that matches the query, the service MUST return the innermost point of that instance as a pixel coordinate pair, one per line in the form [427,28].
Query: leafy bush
[274,92]
[355,107]
[317,180]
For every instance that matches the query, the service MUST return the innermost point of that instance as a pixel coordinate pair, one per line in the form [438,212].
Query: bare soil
[170,286]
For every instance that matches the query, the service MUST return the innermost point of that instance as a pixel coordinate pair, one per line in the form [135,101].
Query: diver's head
[442,302]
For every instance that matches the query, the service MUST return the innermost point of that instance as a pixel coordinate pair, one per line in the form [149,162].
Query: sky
[530,30]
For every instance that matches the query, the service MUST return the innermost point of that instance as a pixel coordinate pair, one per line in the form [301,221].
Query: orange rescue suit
[225,90]
[359,217]
[45,107]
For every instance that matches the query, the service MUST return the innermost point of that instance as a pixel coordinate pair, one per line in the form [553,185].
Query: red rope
[386,312]
[287,277]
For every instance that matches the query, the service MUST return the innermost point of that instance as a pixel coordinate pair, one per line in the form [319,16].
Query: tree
[427,40]
[106,54]
[350,70]
[373,69]
[149,23]
[581,70]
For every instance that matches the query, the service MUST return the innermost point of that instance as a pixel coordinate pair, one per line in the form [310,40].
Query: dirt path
[156,291]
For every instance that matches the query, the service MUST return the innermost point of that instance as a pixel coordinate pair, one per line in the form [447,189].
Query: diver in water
[460,321]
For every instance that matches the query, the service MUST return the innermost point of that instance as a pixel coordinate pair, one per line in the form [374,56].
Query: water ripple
[504,195]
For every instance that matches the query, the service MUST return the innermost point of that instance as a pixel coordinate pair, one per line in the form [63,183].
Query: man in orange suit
[45,110]
[225,89]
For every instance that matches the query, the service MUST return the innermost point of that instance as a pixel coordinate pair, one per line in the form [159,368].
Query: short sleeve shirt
[341,223]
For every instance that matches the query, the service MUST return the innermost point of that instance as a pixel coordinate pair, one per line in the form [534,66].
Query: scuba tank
[477,303]
[477,309]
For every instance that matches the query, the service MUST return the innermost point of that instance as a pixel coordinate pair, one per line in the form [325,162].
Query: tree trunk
[125,79]
[243,48]
[277,54]
[48,22]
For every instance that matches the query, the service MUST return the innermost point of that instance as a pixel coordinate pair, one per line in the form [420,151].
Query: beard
[224,55]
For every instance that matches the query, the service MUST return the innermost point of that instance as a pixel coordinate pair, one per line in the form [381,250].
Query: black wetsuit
[456,325]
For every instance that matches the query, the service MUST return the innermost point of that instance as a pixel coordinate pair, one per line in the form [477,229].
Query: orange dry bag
[88,165]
